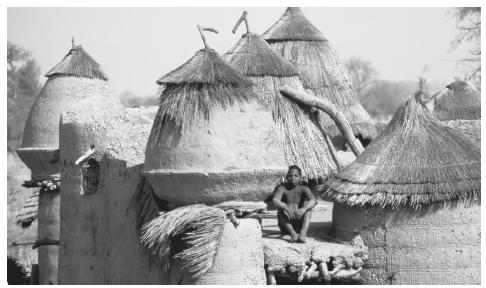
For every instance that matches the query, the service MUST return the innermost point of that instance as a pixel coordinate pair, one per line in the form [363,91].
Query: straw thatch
[460,101]
[417,160]
[191,233]
[29,212]
[303,142]
[190,92]
[144,204]
[320,70]
[78,63]
[470,128]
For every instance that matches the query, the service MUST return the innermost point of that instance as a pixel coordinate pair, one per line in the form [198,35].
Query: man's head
[294,175]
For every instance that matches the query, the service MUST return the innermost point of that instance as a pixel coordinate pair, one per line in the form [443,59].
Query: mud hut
[298,40]
[210,143]
[304,144]
[414,197]
[459,106]
[211,140]
[76,77]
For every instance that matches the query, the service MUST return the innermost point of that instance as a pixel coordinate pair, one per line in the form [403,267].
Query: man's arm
[277,201]
[310,203]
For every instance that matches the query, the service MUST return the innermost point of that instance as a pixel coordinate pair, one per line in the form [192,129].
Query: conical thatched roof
[252,56]
[460,101]
[303,143]
[417,160]
[293,26]
[189,91]
[78,63]
[296,39]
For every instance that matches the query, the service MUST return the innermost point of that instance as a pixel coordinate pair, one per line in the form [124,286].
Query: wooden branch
[330,146]
[204,28]
[242,18]
[37,243]
[330,109]
[85,157]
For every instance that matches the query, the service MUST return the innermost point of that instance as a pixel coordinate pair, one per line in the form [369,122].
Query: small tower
[76,77]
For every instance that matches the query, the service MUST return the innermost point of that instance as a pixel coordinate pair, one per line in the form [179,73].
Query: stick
[86,155]
[204,28]
[346,273]
[243,17]
[271,278]
[324,272]
[301,274]
[329,108]
[328,140]
[311,270]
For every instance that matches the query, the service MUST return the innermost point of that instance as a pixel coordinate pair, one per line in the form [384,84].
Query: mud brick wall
[434,245]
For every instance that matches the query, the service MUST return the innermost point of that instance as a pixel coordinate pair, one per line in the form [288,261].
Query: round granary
[414,197]
[213,139]
[303,143]
[75,78]
[295,38]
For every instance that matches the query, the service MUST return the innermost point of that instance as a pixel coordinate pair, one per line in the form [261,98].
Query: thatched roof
[29,212]
[459,101]
[303,143]
[252,56]
[293,26]
[320,70]
[191,233]
[190,91]
[417,160]
[470,128]
[78,63]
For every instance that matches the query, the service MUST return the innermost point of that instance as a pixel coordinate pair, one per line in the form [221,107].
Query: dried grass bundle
[78,63]
[144,204]
[303,142]
[190,92]
[459,101]
[417,160]
[197,228]
[29,212]
[320,70]
[470,128]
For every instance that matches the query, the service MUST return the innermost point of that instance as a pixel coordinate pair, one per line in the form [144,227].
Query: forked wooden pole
[243,17]
[204,28]
[330,109]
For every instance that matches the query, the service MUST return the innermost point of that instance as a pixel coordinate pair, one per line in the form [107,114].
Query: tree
[362,73]
[468,21]
[22,88]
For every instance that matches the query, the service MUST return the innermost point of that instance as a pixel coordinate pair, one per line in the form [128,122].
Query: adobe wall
[99,243]
[48,227]
[98,239]
[435,245]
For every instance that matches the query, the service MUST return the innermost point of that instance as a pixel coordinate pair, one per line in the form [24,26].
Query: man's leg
[284,221]
[305,226]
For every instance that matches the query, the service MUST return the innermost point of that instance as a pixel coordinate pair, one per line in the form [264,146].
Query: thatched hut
[211,142]
[459,105]
[458,101]
[304,144]
[414,197]
[212,138]
[76,77]
[298,40]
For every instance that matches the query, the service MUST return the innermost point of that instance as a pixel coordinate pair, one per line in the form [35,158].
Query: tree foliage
[362,73]
[22,88]
[468,22]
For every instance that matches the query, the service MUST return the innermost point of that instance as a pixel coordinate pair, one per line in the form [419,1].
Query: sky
[136,46]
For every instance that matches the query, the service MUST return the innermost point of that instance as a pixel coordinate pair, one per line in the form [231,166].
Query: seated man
[294,203]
